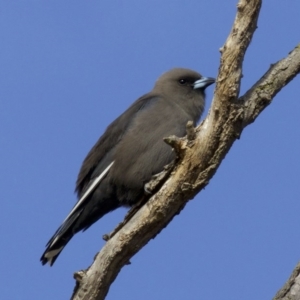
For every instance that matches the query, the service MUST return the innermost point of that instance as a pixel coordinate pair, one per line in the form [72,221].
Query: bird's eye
[182,81]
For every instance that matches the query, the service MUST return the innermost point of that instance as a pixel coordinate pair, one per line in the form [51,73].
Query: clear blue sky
[68,68]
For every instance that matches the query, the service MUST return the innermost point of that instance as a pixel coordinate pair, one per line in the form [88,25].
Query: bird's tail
[68,228]
[59,240]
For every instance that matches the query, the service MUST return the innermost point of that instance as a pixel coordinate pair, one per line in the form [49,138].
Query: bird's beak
[203,83]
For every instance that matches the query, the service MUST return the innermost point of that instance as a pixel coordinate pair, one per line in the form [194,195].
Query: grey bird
[131,151]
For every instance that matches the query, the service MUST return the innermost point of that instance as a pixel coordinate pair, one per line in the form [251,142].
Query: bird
[131,151]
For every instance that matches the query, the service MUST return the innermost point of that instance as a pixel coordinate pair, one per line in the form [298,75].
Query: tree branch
[291,289]
[199,158]
[265,89]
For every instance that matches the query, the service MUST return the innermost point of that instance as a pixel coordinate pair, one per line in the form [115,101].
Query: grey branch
[198,159]
[264,90]
[291,289]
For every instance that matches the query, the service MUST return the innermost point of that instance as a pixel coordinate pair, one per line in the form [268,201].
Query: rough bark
[291,289]
[200,154]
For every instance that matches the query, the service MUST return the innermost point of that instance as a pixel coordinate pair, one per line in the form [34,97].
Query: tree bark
[291,289]
[199,155]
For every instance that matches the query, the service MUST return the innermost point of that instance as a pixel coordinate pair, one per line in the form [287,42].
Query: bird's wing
[89,190]
[96,166]
[101,154]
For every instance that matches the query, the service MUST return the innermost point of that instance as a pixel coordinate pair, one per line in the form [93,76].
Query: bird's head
[183,81]
[184,87]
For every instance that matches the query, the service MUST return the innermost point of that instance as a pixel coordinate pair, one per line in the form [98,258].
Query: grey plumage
[130,151]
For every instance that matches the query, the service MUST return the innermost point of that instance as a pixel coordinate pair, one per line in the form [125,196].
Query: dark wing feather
[108,141]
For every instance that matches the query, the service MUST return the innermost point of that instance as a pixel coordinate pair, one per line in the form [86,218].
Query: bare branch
[190,131]
[291,289]
[266,88]
[233,52]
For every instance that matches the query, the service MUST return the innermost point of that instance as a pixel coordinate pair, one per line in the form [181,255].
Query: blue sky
[69,68]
